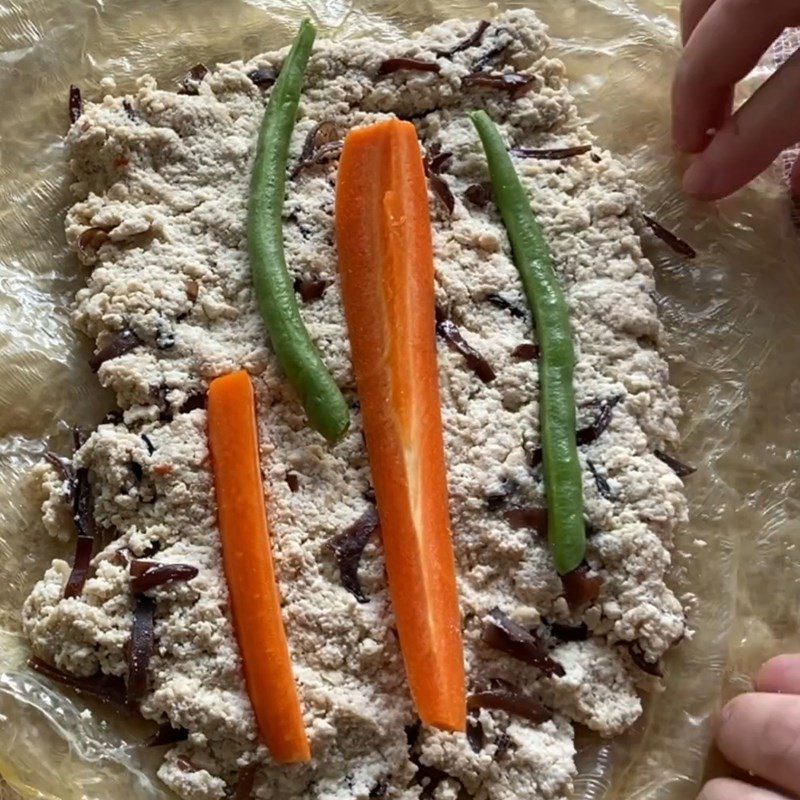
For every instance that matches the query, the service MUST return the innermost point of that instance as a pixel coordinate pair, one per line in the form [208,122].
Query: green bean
[298,356]
[562,471]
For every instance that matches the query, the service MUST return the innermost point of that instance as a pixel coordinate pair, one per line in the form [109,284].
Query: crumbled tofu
[167,175]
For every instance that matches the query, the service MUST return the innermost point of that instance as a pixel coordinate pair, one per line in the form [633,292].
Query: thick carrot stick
[386,266]
[254,599]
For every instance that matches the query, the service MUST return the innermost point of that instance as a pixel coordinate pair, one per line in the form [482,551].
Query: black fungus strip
[63,466]
[348,548]
[441,189]
[502,745]
[75,103]
[165,340]
[108,688]
[311,289]
[475,735]
[506,81]
[191,82]
[156,574]
[449,331]
[245,781]
[678,467]
[91,239]
[82,505]
[502,633]
[569,633]
[292,481]
[555,153]
[322,144]
[428,777]
[185,765]
[84,548]
[263,77]
[412,733]
[479,194]
[391,65]
[79,438]
[637,656]
[379,790]
[139,566]
[140,647]
[669,238]
[490,55]
[511,701]
[166,734]
[435,164]
[417,115]
[589,433]
[329,151]
[130,111]
[122,343]
[527,351]
[322,133]
[121,557]
[472,40]
[603,489]
[497,498]
[148,443]
[534,517]
[194,402]
[580,588]
[592,432]
[137,469]
[499,301]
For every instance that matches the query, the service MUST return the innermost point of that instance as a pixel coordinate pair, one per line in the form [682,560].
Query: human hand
[723,40]
[760,733]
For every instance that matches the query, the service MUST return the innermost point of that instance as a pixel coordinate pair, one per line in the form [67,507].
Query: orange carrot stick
[254,599]
[386,267]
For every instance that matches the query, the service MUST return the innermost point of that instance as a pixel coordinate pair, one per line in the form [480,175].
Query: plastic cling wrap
[731,313]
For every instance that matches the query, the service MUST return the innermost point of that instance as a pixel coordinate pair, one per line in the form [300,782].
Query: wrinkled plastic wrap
[732,315]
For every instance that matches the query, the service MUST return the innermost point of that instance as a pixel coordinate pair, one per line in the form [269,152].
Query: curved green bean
[323,402]
[562,471]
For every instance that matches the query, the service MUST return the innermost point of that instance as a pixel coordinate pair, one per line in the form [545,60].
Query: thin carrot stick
[254,599]
[386,266]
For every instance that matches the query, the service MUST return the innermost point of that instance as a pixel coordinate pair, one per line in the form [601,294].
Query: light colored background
[732,315]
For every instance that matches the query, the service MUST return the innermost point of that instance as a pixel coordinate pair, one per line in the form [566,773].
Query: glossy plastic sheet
[732,315]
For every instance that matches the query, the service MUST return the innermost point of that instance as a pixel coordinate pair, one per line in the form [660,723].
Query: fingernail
[719,717]
[699,179]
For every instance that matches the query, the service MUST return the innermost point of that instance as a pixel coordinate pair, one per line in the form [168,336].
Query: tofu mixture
[161,185]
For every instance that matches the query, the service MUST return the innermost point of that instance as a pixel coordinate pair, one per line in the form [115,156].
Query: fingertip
[780,675]
[730,718]
[700,181]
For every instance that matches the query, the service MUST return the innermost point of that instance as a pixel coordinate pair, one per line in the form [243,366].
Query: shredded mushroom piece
[449,331]
[556,153]
[471,41]
[512,701]
[678,467]
[140,647]
[669,238]
[122,343]
[75,104]
[107,688]
[502,633]
[391,65]
[348,548]
[579,588]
